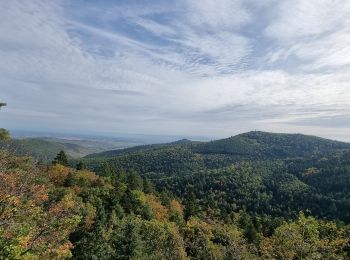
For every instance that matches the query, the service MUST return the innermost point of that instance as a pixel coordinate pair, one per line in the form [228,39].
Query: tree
[61,158]
[4,134]
[148,186]
[162,240]
[176,212]
[198,238]
[159,212]
[134,181]
[231,241]
[33,223]
[80,166]
[305,238]
[126,239]
[191,206]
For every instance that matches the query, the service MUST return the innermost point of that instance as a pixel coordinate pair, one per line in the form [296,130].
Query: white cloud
[171,76]
[219,48]
[296,19]
[316,32]
[217,15]
[328,52]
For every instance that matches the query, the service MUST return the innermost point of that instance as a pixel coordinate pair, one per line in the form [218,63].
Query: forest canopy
[174,202]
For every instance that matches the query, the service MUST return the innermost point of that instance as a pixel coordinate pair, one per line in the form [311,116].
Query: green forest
[252,196]
[175,130]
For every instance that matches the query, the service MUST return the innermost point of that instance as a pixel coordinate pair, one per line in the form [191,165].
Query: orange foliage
[35,227]
[88,177]
[176,207]
[58,174]
[159,211]
[90,214]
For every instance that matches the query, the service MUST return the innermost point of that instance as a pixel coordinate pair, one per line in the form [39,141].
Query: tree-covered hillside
[45,148]
[263,145]
[264,174]
[175,201]
[57,212]
[252,145]
[140,148]
[41,150]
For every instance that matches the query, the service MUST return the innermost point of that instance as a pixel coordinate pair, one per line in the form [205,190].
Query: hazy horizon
[147,138]
[181,68]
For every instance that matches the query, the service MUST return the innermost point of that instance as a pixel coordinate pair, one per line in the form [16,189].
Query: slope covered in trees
[172,201]
[263,145]
[39,149]
[58,212]
[265,174]
[255,145]
[45,148]
[139,148]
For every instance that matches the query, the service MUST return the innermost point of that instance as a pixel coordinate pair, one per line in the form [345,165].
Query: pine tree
[61,158]
[127,240]
[148,186]
[191,206]
[134,181]
[80,166]
[4,135]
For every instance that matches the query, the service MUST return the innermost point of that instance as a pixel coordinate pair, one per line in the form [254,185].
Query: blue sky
[186,67]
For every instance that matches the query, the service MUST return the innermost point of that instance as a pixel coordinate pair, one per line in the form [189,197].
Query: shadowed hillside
[270,145]
[258,172]
[254,145]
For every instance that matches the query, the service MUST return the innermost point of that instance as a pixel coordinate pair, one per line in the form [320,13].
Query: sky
[184,67]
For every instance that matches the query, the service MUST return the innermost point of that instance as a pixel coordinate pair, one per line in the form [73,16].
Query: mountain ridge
[257,144]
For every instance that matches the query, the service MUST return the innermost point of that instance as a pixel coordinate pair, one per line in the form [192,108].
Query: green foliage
[39,149]
[46,148]
[215,241]
[80,166]
[35,217]
[191,206]
[242,173]
[182,200]
[4,135]
[61,158]
[305,238]
[126,239]
[134,181]
[261,145]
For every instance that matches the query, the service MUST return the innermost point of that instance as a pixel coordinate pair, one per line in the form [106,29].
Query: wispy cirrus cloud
[317,33]
[300,19]
[185,67]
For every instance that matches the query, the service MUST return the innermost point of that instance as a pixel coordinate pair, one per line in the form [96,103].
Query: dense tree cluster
[40,149]
[173,202]
[4,135]
[227,183]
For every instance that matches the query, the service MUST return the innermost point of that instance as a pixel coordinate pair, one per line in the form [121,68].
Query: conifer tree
[191,206]
[80,166]
[61,158]
[4,134]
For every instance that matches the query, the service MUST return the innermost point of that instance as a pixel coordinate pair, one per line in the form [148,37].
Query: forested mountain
[45,148]
[255,145]
[181,200]
[40,149]
[150,147]
[265,145]
[265,174]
